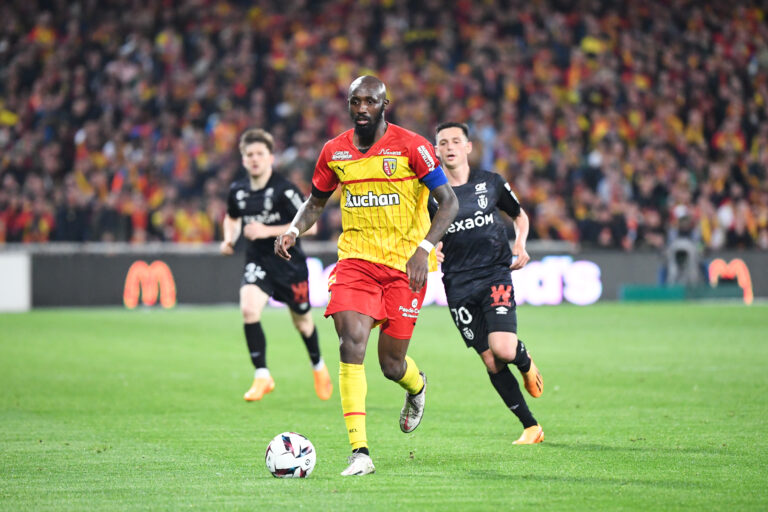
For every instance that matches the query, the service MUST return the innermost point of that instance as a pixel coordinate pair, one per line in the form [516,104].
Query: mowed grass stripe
[654,406]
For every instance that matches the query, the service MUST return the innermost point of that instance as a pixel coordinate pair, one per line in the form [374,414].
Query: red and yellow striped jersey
[383,201]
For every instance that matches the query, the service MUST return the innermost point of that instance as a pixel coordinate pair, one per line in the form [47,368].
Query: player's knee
[489,361]
[504,348]
[505,353]
[351,350]
[250,313]
[304,324]
[305,329]
[392,368]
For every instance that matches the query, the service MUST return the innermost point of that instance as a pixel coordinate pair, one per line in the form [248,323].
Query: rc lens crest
[390,166]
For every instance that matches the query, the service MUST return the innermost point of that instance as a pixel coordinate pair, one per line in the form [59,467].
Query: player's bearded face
[370,120]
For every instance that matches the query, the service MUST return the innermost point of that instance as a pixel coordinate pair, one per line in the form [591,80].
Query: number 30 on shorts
[461,316]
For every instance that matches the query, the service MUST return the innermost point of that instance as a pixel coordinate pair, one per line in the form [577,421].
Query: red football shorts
[378,291]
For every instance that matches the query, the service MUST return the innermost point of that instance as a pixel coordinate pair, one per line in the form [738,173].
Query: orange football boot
[533,380]
[260,387]
[531,435]
[323,385]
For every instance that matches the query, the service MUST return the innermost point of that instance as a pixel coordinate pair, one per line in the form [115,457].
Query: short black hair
[257,135]
[453,124]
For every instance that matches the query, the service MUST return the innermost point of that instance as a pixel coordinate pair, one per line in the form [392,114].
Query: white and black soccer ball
[290,455]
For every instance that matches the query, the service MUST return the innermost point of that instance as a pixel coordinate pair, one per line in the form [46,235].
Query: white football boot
[359,464]
[413,409]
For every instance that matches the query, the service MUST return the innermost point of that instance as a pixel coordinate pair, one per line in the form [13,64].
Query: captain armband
[435,178]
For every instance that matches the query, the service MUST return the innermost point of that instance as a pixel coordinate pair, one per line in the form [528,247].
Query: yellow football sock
[411,381]
[353,387]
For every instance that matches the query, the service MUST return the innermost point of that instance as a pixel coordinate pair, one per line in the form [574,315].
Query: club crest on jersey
[390,166]
[482,201]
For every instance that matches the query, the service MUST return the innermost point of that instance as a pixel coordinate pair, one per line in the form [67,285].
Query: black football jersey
[276,203]
[477,238]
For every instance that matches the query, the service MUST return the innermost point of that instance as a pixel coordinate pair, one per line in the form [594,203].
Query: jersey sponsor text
[478,221]
[427,158]
[370,200]
[263,217]
[409,312]
[342,155]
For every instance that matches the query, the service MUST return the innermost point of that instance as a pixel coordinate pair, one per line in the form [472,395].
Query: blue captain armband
[435,178]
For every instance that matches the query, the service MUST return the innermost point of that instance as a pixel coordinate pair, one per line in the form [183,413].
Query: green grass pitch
[646,407]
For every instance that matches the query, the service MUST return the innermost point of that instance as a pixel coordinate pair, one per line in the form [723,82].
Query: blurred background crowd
[619,124]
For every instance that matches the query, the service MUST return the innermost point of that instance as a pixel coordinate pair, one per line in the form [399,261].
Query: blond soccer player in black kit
[477,278]
[262,206]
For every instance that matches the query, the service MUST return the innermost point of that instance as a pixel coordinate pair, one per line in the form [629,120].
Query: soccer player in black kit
[477,278]
[262,206]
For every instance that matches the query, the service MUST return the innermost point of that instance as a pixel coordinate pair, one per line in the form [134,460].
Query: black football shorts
[488,307]
[288,284]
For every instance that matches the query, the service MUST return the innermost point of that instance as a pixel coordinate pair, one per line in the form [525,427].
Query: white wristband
[426,245]
[294,230]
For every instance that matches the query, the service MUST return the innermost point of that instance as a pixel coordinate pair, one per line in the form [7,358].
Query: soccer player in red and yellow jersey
[386,174]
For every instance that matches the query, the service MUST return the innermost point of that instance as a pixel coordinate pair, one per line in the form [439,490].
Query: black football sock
[312,346]
[257,344]
[507,387]
[362,450]
[522,360]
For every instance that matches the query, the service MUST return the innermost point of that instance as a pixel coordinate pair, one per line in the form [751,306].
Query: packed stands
[620,124]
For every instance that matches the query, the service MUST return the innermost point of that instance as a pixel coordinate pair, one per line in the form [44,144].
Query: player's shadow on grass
[610,482]
[586,447]
[641,446]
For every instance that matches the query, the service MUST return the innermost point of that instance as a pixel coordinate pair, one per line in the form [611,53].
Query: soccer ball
[290,455]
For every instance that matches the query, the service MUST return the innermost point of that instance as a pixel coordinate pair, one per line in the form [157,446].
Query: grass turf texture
[646,407]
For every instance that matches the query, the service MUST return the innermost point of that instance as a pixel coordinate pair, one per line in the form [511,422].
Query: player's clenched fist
[521,257]
[283,243]
[417,269]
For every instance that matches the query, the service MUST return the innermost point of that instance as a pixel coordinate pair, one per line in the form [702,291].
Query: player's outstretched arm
[257,230]
[417,267]
[305,218]
[521,236]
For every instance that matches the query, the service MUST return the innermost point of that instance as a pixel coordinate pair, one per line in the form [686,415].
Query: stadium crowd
[619,124]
